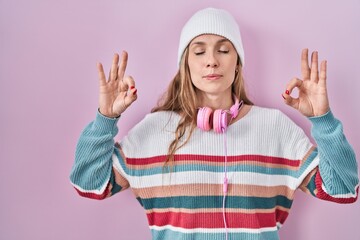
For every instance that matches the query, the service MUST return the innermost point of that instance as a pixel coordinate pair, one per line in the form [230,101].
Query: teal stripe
[195,202]
[169,234]
[206,168]
[115,187]
[140,201]
[311,186]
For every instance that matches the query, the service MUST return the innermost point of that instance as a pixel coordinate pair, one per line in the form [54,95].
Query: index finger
[123,64]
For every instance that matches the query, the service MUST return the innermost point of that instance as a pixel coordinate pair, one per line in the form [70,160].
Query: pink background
[48,93]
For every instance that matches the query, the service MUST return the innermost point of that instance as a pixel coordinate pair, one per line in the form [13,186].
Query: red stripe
[281,216]
[215,220]
[207,158]
[94,195]
[323,195]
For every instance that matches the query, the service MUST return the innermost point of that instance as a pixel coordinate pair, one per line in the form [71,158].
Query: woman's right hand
[117,92]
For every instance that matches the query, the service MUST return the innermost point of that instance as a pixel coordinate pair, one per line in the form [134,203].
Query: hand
[313,99]
[118,92]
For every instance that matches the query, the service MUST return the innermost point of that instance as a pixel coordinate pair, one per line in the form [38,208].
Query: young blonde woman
[207,163]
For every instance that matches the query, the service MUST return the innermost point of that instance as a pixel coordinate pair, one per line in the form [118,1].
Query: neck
[216,101]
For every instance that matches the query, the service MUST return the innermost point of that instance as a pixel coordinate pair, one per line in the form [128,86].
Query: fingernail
[283,96]
[135,92]
[287,92]
[132,87]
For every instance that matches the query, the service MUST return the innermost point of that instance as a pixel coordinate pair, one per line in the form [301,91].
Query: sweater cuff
[325,123]
[104,123]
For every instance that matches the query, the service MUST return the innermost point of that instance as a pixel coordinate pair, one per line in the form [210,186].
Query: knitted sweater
[269,157]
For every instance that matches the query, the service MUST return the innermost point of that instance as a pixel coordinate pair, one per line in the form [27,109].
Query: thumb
[131,94]
[293,102]
[288,99]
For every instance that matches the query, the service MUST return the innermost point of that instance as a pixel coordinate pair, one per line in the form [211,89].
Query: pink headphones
[207,119]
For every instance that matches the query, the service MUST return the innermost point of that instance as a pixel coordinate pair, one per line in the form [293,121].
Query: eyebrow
[203,43]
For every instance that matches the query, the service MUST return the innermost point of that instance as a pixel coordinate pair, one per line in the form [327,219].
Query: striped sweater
[269,157]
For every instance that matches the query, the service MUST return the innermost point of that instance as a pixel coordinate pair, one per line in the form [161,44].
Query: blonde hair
[181,98]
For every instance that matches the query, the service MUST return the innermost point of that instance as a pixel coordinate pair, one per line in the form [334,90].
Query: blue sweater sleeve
[93,174]
[337,175]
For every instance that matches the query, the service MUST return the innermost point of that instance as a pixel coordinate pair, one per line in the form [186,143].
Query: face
[212,61]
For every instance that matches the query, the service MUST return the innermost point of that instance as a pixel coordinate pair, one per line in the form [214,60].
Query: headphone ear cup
[204,118]
[220,121]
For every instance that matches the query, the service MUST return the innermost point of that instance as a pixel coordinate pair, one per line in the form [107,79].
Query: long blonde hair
[181,98]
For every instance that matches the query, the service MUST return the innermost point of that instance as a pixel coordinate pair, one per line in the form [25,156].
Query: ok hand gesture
[313,99]
[117,92]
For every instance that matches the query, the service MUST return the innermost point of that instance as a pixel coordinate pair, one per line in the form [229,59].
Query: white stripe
[213,230]
[344,195]
[96,191]
[201,177]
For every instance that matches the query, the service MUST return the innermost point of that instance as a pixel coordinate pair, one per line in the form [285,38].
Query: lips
[212,76]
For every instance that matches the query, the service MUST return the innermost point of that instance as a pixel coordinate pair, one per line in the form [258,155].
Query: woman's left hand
[313,99]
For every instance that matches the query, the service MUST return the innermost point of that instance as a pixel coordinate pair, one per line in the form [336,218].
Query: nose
[212,61]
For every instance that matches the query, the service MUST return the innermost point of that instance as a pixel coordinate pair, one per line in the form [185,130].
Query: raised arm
[99,170]
[336,177]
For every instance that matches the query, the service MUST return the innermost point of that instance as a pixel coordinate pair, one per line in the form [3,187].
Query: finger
[123,64]
[323,69]
[129,82]
[131,96]
[294,83]
[305,70]
[288,99]
[101,74]
[114,68]
[314,74]
[125,100]
[131,92]
[293,102]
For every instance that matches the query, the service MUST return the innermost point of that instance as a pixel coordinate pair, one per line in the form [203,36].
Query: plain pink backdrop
[48,93]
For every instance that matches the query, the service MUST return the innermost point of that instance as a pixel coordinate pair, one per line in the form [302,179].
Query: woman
[207,163]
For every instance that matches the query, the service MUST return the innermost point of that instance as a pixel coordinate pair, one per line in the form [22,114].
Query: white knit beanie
[211,21]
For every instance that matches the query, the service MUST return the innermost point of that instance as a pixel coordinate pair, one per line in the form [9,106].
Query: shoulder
[268,116]
[279,132]
[155,125]
[156,121]
[272,121]
[150,135]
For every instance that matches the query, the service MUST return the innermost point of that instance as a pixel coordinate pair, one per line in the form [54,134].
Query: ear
[237,68]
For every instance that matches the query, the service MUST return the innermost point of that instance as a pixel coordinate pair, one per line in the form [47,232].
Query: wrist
[107,115]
